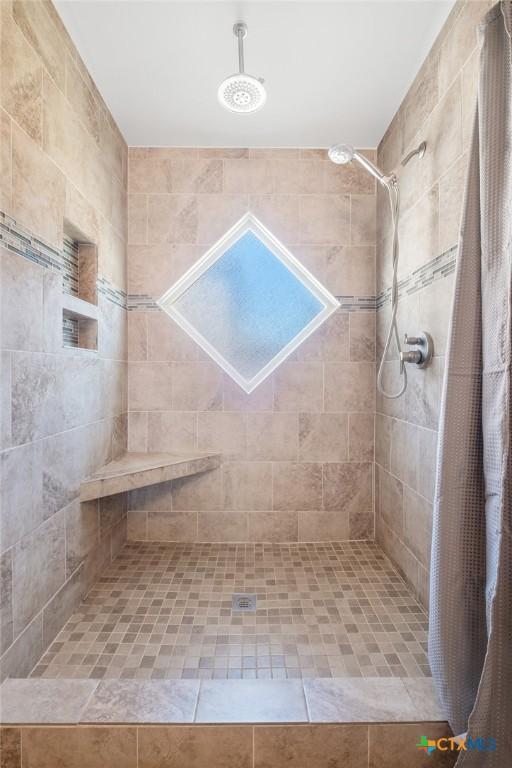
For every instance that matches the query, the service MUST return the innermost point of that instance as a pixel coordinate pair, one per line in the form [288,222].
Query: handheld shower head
[340,154]
[344,153]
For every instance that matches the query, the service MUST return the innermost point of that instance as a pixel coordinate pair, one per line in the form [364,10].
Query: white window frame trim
[249,223]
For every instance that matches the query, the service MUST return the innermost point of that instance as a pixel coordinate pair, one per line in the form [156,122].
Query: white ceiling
[334,71]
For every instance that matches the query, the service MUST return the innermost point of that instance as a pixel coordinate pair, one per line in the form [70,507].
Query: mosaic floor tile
[164,611]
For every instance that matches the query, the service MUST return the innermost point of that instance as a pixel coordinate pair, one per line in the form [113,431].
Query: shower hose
[394,203]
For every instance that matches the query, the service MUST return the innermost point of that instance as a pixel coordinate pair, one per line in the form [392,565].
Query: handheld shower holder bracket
[422,352]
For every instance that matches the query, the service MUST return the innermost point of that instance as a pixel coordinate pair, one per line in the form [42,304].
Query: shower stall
[220,391]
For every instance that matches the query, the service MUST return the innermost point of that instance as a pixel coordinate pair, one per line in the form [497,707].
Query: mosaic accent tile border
[141,302]
[420,278]
[437,268]
[69,331]
[19,239]
[16,238]
[357,303]
[113,294]
[70,270]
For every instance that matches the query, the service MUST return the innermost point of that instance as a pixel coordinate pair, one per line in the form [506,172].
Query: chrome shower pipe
[240,32]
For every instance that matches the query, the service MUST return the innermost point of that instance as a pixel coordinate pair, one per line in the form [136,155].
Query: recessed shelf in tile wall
[79,286]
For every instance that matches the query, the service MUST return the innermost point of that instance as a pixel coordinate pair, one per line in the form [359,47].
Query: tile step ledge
[137,470]
[37,701]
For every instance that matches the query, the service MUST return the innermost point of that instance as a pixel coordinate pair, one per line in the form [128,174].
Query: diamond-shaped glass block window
[248,302]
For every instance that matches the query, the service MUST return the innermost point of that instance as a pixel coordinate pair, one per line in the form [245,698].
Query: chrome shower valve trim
[421,356]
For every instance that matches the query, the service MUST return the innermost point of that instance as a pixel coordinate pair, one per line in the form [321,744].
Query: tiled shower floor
[323,610]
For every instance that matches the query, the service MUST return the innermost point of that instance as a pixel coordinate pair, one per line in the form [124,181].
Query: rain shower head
[242,93]
[344,153]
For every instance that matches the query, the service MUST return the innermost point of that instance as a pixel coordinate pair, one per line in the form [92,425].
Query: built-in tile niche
[79,291]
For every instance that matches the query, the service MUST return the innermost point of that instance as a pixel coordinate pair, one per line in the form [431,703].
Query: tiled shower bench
[138,470]
[310,723]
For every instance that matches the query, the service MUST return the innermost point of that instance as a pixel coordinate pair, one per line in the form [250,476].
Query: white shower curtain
[470,643]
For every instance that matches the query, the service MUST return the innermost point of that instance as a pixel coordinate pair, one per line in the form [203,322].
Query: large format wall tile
[279,213]
[272,436]
[203,491]
[272,526]
[5,163]
[348,486]
[44,36]
[21,657]
[196,387]
[38,189]
[390,505]
[40,552]
[6,618]
[223,432]
[349,387]
[172,219]
[323,437]
[167,341]
[67,459]
[61,606]
[149,386]
[247,485]
[325,220]
[323,526]
[297,486]
[22,75]
[221,526]
[82,531]
[169,526]
[82,99]
[350,270]
[21,492]
[298,387]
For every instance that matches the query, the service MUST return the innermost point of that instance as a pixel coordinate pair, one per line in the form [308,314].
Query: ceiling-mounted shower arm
[240,32]
[240,92]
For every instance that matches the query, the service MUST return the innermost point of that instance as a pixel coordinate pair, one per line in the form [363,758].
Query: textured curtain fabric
[470,644]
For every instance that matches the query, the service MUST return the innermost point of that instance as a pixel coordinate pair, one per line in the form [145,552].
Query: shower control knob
[422,355]
[414,357]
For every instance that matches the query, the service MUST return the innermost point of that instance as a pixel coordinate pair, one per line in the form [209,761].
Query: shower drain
[243,603]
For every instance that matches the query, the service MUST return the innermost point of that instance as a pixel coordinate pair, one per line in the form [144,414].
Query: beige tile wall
[63,412]
[298,452]
[439,109]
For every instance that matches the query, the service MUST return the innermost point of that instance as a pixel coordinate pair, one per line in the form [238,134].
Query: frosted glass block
[248,302]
